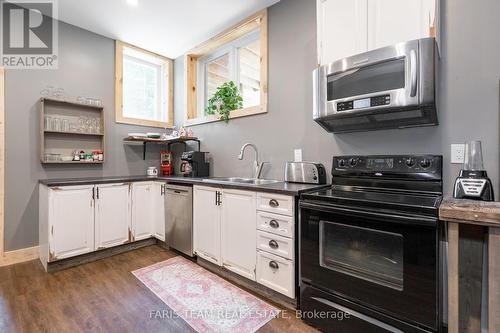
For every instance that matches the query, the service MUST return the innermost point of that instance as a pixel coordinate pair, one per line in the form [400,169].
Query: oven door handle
[329,208]
[358,315]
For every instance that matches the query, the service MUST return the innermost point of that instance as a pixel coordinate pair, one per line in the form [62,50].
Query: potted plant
[226,99]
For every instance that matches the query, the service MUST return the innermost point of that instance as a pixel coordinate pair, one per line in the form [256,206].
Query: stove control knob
[425,163]
[410,162]
[341,163]
[353,162]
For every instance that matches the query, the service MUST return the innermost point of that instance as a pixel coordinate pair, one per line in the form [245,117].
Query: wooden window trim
[119,118]
[258,20]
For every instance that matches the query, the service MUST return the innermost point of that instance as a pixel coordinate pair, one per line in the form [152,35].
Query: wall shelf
[144,141]
[53,140]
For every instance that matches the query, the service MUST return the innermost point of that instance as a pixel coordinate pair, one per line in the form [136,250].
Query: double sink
[238,180]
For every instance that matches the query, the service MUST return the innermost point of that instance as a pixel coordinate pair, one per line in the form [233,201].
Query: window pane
[218,72]
[249,73]
[142,90]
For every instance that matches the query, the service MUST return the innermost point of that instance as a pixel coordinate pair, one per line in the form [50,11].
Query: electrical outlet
[297,155]
[457,153]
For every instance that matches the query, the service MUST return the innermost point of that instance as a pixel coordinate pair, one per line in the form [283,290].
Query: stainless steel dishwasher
[179,218]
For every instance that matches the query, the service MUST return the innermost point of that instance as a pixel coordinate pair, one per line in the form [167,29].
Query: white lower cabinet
[143,214]
[70,222]
[244,232]
[159,209]
[238,232]
[276,273]
[206,223]
[112,215]
[75,220]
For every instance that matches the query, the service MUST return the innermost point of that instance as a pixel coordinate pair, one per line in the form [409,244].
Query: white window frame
[230,48]
[165,85]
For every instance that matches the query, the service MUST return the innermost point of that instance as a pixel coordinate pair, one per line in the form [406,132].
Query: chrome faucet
[257,166]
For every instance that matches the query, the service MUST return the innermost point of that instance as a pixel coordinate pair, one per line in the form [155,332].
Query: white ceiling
[167,27]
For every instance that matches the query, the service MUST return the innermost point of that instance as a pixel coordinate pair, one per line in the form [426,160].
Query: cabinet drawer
[275,244]
[275,203]
[276,273]
[275,224]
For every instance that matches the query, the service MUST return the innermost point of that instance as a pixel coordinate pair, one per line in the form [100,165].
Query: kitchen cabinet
[112,215]
[159,209]
[394,21]
[238,232]
[206,223]
[342,26]
[349,27]
[143,210]
[70,221]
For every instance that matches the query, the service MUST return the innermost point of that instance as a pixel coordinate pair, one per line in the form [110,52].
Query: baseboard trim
[18,256]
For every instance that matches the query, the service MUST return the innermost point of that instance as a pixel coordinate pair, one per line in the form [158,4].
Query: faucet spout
[257,167]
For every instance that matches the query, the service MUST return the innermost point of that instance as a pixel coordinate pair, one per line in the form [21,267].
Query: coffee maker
[473,182]
[194,164]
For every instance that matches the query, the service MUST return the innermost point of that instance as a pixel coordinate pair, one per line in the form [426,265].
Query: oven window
[372,255]
[380,77]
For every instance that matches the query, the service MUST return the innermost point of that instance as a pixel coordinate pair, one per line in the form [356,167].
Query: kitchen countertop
[485,213]
[280,187]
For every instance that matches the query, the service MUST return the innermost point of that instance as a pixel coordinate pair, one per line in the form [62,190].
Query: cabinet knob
[273,203]
[273,244]
[274,224]
[273,264]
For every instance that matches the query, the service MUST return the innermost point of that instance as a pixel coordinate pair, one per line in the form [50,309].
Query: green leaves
[226,99]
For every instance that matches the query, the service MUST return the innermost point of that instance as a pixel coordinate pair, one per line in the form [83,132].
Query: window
[239,54]
[143,87]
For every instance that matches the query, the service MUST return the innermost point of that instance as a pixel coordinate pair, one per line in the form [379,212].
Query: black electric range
[369,245]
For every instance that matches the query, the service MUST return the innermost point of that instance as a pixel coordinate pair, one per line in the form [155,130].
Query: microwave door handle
[344,74]
[413,73]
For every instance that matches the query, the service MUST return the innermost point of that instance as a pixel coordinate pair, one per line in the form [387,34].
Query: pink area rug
[205,301]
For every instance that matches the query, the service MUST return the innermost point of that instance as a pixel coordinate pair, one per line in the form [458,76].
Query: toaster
[305,172]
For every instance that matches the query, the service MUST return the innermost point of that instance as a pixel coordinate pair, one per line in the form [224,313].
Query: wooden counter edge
[485,213]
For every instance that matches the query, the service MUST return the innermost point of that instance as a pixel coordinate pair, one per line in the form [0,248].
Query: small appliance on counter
[305,172]
[473,182]
[152,172]
[194,164]
[166,163]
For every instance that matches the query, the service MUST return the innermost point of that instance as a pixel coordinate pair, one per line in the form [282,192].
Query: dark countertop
[280,187]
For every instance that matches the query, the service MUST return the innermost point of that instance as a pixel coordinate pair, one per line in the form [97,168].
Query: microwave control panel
[364,103]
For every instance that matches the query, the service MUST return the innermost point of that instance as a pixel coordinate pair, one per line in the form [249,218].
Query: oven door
[383,261]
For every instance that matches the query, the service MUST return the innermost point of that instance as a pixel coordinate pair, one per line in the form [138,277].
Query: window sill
[250,111]
[143,122]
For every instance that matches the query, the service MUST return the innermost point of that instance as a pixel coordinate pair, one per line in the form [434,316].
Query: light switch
[457,153]
[298,155]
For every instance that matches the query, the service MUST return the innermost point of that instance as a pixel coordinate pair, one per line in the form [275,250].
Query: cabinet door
[143,214]
[238,240]
[71,221]
[394,21]
[112,218]
[342,29]
[159,209]
[206,224]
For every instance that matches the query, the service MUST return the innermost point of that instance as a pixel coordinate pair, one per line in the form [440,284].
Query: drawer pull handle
[274,203]
[274,224]
[273,244]
[273,264]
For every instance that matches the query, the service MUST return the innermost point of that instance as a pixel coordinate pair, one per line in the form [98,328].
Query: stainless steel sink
[238,180]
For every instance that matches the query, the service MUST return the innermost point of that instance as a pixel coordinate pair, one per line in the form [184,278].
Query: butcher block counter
[470,223]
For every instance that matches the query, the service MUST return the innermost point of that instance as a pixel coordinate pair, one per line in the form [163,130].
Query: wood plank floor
[102,296]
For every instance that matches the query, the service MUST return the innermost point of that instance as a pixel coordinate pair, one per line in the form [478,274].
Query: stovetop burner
[412,184]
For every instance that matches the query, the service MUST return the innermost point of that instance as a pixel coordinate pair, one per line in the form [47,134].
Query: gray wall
[86,67]
[468,98]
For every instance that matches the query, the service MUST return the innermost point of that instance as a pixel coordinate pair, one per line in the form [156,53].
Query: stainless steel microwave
[390,87]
